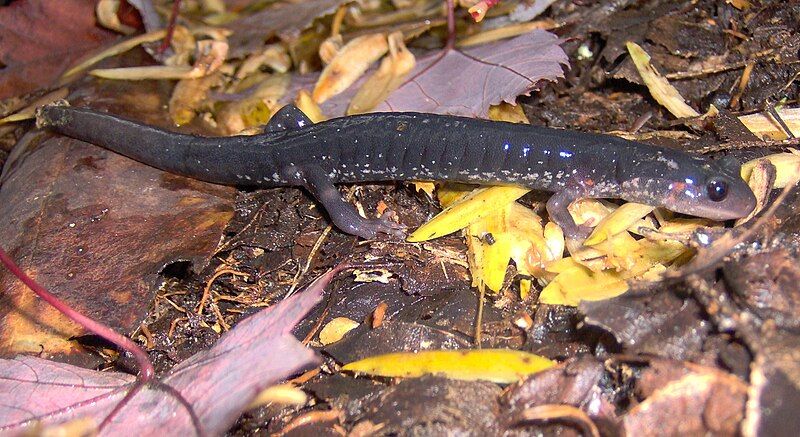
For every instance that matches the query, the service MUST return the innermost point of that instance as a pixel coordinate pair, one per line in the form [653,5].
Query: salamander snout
[719,197]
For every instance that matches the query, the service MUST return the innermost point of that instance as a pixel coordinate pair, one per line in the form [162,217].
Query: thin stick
[173,17]
[451,25]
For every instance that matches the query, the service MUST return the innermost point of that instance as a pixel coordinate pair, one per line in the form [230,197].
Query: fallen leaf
[502,366]
[208,58]
[217,384]
[107,17]
[334,330]
[389,76]
[691,400]
[576,382]
[39,39]
[285,20]
[659,87]
[576,283]
[116,49]
[349,64]
[284,394]
[470,209]
[787,166]
[618,221]
[467,82]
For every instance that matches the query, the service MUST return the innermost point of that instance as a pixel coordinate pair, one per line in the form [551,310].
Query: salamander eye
[717,190]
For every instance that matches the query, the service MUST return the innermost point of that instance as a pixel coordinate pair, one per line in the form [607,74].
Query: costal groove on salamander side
[416,146]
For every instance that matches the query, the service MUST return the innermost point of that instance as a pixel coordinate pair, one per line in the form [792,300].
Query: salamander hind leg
[343,214]
[557,209]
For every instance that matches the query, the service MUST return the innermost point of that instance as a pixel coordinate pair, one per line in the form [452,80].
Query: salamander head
[698,187]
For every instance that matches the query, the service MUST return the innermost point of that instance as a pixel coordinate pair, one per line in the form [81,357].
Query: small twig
[778,119]
[718,69]
[451,25]
[317,244]
[479,318]
[173,17]
[743,81]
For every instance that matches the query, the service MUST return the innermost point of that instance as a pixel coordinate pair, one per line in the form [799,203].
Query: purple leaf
[216,385]
[286,20]
[466,82]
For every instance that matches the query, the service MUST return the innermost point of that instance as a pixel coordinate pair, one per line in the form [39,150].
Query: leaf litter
[629,241]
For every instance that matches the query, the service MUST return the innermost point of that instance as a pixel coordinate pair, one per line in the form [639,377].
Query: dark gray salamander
[415,146]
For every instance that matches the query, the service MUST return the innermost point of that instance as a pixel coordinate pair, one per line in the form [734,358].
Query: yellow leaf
[554,240]
[590,212]
[209,58]
[114,50]
[426,187]
[489,250]
[507,112]
[787,166]
[468,210]
[562,265]
[283,394]
[390,75]
[502,366]
[257,107]
[659,87]
[618,221]
[682,225]
[336,329]
[578,283]
[451,192]
[305,103]
[349,64]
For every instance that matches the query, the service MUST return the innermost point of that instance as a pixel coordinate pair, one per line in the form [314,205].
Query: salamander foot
[370,228]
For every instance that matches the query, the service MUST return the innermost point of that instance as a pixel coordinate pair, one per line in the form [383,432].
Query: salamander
[416,146]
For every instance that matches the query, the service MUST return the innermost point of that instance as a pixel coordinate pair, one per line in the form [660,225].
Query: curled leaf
[114,50]
[107,17]
[349,64]
[787,166]
[659,87]
[390,75]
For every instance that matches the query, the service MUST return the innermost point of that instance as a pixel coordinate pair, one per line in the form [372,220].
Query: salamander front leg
[557,209]
[342,214]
